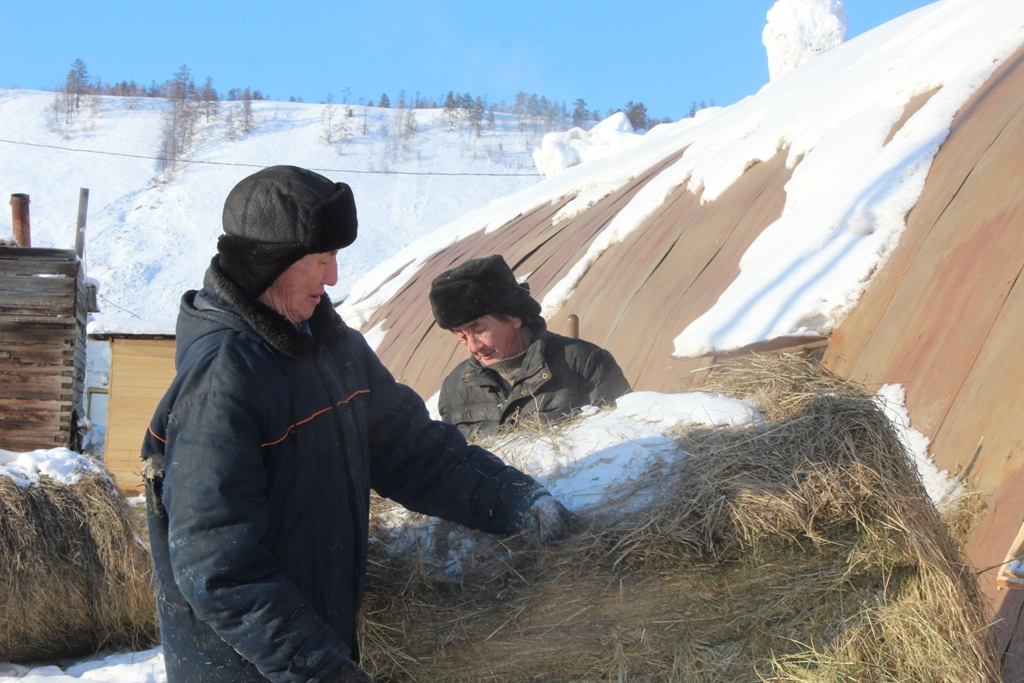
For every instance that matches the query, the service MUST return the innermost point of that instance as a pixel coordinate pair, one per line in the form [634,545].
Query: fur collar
[270,325]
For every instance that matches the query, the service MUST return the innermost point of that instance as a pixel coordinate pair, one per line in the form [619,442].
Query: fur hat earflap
[277,216]
[483,286]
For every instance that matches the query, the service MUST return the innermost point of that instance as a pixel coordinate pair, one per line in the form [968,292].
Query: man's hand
[348,672]
[550,521]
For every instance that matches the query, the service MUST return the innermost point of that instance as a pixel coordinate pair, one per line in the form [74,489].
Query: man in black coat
[517,368]
[261,456]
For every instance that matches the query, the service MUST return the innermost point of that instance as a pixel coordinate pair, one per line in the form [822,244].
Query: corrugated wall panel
[643,292]
[943,318]
[973,131]
[420,353]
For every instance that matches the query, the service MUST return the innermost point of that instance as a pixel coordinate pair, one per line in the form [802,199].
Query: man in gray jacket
[517,369]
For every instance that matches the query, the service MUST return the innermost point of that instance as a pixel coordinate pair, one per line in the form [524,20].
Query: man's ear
[516,322]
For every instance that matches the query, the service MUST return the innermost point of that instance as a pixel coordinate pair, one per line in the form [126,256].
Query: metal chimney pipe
[19,216]
[83,210]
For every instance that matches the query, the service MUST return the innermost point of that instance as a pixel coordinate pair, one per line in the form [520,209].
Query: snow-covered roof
[846,202]
[111,328]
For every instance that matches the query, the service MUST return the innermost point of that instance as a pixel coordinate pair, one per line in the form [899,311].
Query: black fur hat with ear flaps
[483,286]
[277,216]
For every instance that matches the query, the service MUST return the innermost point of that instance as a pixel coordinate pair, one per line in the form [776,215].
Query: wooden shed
[141,369]
[43,310]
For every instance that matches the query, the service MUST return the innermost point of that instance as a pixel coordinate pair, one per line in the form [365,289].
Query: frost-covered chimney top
[797,30]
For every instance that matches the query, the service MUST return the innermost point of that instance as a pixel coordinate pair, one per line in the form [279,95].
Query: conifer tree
[450,107]
[77,82]
[579,113]
[519,110]
[181,87]
[637,114]
[210,99]
[248,119]
[476,115]
[327,116]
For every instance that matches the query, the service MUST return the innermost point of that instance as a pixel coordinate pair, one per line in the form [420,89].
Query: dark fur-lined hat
[278,215]
[480,287]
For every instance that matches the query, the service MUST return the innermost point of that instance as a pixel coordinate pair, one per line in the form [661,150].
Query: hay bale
[74,577]
[804,548]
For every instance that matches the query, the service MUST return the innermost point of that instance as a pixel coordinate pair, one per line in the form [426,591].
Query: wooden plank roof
[943,318]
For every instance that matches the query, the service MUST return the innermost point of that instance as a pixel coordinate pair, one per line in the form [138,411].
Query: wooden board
[42,347]
[140,372]
[943,318]
[1011,572]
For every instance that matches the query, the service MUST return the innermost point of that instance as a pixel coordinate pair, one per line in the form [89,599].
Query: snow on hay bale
[74,576]
[802,547]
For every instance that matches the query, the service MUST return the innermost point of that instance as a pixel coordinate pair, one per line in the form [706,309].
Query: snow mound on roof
[559,151]
[798,30]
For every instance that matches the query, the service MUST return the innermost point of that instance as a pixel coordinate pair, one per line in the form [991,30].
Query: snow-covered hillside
[150,235]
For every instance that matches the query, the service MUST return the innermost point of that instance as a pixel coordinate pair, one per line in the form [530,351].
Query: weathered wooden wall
[43,311]
[141,369]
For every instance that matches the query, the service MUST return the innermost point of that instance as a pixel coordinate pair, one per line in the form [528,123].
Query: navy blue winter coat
[260,460]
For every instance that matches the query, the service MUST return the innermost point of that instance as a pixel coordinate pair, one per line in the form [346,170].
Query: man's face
[491,340]
[297,291]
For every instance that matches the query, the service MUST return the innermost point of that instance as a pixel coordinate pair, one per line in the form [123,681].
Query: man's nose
[472,343]
[331,272]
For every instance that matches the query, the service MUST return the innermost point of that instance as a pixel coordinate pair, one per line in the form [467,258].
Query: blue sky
[663,53]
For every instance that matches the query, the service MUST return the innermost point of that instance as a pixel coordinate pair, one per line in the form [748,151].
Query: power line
[228,163]
[116,306]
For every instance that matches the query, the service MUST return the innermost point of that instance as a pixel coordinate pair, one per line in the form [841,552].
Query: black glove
[549,520]
[348,672]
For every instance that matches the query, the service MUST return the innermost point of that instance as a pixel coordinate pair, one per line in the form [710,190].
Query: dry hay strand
[74,578]
[801,549]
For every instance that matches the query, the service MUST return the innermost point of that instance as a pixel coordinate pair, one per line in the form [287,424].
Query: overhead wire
[229,163]
[131,313]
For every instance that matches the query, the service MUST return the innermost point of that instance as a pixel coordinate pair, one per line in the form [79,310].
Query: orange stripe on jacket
[289,430]
[155,435]
[319,412]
